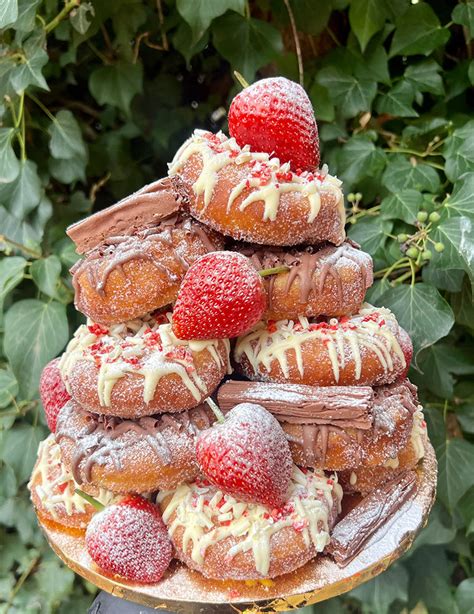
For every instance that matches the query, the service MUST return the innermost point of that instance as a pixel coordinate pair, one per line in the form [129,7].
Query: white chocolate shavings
[210,516]
[267,179]
[419,433]
[343,338]
[56,487]
[143,347]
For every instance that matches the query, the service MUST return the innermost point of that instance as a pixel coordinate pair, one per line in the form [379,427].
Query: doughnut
[129,276]
[368,348]
[327,280]
[52,489]
[224,538]
[366,478]
[251,197]
[131,456]
[334,428]
[139,368]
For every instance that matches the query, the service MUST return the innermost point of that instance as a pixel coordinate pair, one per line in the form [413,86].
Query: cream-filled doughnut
[139,368]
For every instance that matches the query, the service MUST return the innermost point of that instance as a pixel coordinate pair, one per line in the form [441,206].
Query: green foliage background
[94,99]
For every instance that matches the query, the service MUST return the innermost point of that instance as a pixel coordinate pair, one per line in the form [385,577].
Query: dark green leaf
[19,448]
[460,201]
[376,291]
[463,306]
[366,18]
[465,591]
[35,332]
[307,19]
[438,363]
[200,13]
[24,193]
[12,271]
[360,158]
[16,230]
[464,14]
[29,71]
[370,232]
[66,138]
[418,31]
[68,171]
[403,173]
[81,17]
[403,205]
[440,529]
[398,101]
[455,475]
[8,12]
[457,236]
[465,416]
[421,311]
[323,107]
[46,273]
[425,77]
[443,279]
[429,568]
[54,581]
[9,165]
[117,84]
[26,15]
[248,44]
[351,94]
[466,507]
[459,152]
[181,40]
[382,591]
[8,387]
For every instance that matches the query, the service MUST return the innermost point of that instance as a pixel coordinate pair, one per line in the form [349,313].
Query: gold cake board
[187,592]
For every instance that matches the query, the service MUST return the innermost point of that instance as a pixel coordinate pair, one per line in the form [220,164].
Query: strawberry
[129,539]
[221,296]
[247,455]
[276,116]
[53,393]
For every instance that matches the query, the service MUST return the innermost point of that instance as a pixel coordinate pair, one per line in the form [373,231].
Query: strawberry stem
[240,79]
[215,408]
[274,271]
[97,504]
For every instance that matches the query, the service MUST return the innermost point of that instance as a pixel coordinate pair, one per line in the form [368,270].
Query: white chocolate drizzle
[266,180]
[372,328]
[209,516]
[56,487]
[143,346]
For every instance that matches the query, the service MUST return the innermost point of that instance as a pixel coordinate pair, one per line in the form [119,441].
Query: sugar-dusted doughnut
[52,489]
[251,197]
[129,276]
[326,280]
[131,456]
[334,427]
[140,368]
[224,538]
[368,348]
[366,478]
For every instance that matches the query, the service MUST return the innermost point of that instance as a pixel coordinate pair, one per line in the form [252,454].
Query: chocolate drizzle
[104,439]
[350,535]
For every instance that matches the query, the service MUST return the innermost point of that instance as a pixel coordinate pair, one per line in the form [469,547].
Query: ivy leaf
[465,416]
[307,19]
[26,15]
[425,77]
[403,205]
[35,332]
[463,306]
[12,271]
[200,13]
[384,589]
[457,236]
[465,590]
[321,102]
[8,387]
[437,364]
[181,40]
[66,137]
[360,158]
[117,84]
[402,173]
[366,18]
[19,449]
[29,71]
[466,508]
[398,101]
[81,18]
[9,165]
[421,311]
[428,569]
[418,31]
[24,193]
[351,94]
[455,475]
[248,44]
[8,12]
[459,152]
[443,279]
[436,532]
[460,201]
[19,231]
[54,581]
[370,232]
[463,14]
[45,273]
[68,171]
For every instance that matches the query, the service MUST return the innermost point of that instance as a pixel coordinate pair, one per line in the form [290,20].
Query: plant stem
[299,55]
[241,79]
[20,246]
[20,582]
[41,106]
[97,504]
[68,7]
[216,410]
[274,271]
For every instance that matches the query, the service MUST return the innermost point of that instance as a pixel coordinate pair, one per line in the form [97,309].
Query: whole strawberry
[247,455]
[221,296]
[53,393]
[129,539]
[276,116]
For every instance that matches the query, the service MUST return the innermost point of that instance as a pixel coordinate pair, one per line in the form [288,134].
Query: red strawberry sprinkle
[53,393]
[98,330]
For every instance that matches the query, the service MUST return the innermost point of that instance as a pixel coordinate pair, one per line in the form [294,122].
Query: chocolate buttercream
[146,207]
[339,406]
[350,535]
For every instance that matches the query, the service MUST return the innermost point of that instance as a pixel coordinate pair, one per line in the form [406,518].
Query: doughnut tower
[329,367]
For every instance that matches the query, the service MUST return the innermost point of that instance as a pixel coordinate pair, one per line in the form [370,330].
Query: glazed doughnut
[328,280]
[131,456]
[251,197]
[368,348]
[334,428]
[129,276]
[365,479]
[140,368]
[224,538]
[52,489]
